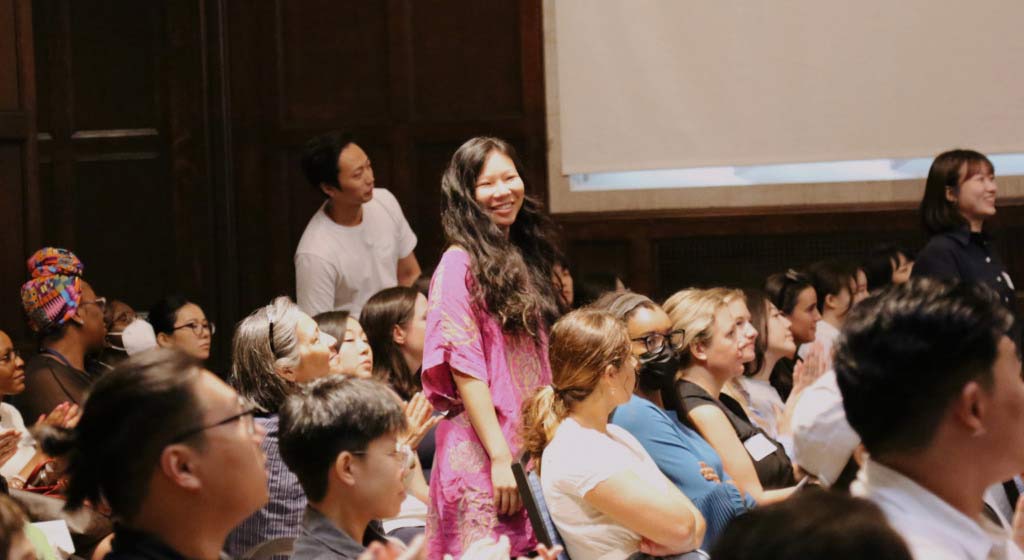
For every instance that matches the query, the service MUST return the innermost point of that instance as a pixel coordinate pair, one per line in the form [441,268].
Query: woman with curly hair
[491,301]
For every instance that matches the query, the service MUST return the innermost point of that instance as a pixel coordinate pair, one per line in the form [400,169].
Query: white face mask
[137,337]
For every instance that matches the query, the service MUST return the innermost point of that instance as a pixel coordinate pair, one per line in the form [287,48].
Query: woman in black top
[959,197]
[711,355]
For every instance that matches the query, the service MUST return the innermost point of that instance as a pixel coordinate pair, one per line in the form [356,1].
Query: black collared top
[320,539]
[962,255]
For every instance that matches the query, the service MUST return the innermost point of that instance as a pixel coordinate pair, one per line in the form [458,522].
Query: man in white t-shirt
[931,382]
[358,242]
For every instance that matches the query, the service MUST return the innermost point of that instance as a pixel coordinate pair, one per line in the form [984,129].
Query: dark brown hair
[512,275]
[384,310]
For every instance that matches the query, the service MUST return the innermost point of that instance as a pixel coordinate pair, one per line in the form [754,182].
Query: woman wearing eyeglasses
[179,323]
[67,316]
[678,450]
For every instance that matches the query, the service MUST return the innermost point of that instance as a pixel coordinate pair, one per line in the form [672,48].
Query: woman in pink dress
[491,301]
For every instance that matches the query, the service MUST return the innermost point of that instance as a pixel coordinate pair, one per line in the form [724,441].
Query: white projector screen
[659,84]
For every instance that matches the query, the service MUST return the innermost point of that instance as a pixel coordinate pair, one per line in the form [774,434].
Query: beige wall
[563,200]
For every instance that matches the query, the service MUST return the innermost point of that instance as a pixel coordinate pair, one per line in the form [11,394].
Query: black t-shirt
[48,383]
[774,470]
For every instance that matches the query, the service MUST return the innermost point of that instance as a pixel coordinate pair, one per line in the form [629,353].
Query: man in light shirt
[358,242]
[931,382]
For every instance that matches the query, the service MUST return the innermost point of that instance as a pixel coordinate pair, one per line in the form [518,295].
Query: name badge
[759,447]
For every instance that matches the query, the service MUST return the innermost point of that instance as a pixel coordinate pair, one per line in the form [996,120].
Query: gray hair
[622,304]
[255,361]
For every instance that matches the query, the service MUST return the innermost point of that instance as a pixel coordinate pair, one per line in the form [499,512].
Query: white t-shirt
[340,267]
[577,460]
[10,419]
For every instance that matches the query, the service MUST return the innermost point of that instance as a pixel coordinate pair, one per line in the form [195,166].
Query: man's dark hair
[830,278]
[938,214]
[331,415]
[906,353]
[783,289]
[132,413]
[320,158]
[813,524]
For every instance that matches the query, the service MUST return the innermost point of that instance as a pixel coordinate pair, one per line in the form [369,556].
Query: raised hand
[420,418]
[8,445]
[64,415]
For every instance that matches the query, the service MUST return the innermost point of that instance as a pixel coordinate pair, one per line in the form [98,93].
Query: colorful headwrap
[54,292]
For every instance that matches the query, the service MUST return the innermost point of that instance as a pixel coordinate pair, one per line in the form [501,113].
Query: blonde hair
[693,311]
[583,344]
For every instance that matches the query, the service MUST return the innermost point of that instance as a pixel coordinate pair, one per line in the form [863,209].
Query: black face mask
[658,369]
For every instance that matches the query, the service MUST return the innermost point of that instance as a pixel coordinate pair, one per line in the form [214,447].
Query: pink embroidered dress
[462,336]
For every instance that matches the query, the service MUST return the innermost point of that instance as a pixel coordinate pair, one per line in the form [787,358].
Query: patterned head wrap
[52,295]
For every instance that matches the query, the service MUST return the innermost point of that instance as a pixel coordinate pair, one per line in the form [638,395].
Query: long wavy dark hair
[512,275]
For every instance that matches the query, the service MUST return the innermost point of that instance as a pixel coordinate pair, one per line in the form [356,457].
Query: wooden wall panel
[466,58]
[19,174]
[660,253]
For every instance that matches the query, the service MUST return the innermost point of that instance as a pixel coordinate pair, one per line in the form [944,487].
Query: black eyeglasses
[653,342]
[247,415]
[198,327]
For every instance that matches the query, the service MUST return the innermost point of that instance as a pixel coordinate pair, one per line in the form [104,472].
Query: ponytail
[542,413]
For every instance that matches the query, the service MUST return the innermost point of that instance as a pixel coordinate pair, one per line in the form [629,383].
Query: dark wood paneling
[333,64]
[466,59]
[661,252]
[19,216]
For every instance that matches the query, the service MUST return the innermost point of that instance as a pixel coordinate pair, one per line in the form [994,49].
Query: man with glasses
[172,450]
[341,437]
[67,315]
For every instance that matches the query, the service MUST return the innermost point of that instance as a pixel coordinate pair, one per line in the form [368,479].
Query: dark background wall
[160,142]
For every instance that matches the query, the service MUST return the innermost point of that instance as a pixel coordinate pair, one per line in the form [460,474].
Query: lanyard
[58,356]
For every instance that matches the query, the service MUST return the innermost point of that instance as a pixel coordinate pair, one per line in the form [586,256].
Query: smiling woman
[959,199]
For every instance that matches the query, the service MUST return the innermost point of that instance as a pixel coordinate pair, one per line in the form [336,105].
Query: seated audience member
[607,497]
[685,458]
[396,322]
[753,390]
[276,348]
[834,284]
[353,353]
[64,311]
[931,382]
[20,457]
[136,338]
[562,279]
[14,542]
[710,357]
[887,264]
[342,437]
[116,316]
[793,294]
[171,449]
[179,323]
[813,525]
[590,286]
